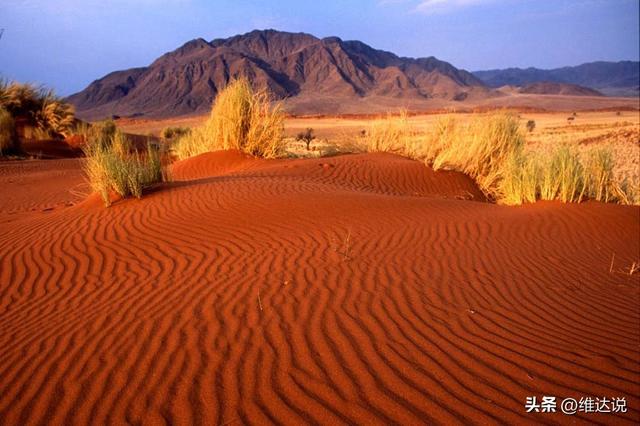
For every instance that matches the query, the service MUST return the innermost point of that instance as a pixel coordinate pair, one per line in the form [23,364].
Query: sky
[66,44]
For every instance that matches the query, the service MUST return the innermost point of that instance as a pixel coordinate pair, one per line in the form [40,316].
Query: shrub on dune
[114,168]
[490,149]
[242,119]
[482,149]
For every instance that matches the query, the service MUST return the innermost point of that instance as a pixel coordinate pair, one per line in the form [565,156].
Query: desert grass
[490,148]
[242,119]
[392,133]
[48,114]
[565,174]
[8,138]
[171,133]
[114,168]
[101,133]
[486,148]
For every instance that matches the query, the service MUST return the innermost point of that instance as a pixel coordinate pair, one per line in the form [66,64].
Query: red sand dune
[355,289]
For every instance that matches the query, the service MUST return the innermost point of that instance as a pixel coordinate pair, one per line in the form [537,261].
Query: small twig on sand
[612,259]
[259,300]
[347,246]
[635,267]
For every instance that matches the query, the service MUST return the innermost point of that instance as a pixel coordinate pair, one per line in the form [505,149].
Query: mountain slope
[551,88]
[611,78]
[289,65]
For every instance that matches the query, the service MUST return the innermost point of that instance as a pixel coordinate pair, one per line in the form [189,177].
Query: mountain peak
[289,65]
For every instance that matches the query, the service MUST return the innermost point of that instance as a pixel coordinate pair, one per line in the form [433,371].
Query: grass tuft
[483,149]
[242,119]
[113,168]
[392,133]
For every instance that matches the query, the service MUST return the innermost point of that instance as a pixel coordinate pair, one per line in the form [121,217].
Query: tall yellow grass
[114,168]
[484,148]
[241,118]
[490,148]
[392,133]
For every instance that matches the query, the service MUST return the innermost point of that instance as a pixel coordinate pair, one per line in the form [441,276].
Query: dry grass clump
[567,175]
[241,118]
[392,133]
[172,133]
[113,167]
[39,108]
[490,148]
[8,138]
[483,149]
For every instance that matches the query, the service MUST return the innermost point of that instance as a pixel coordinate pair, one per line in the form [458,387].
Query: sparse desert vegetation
[112,166]
[598,156]
[279,228]
[491,148]
[242,119]
[37,112]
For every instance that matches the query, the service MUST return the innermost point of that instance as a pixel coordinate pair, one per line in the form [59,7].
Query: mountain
[611,78]
[314,75]
[552,88]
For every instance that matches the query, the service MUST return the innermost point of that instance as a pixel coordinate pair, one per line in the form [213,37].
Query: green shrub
[600,181]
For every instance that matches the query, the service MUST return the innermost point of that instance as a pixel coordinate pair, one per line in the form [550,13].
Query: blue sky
[66,44]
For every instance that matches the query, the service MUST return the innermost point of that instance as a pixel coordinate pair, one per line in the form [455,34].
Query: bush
[112,168]
[520,181]
[240,119]
[170,133]
[307,137]
[8,137]
[531,125]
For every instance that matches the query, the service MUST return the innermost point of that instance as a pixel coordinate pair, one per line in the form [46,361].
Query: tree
[307,137]
[531,125]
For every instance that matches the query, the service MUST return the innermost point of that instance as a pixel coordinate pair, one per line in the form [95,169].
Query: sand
[354,289]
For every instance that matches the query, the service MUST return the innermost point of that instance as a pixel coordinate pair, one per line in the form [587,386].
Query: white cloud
[431,7]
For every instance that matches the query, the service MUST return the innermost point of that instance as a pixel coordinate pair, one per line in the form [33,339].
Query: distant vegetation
[531,125]
[171,133]
[491,150]
[240,119]
[307,137]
